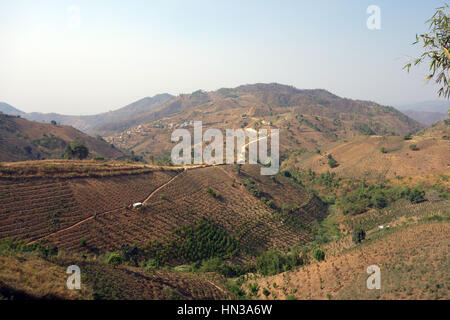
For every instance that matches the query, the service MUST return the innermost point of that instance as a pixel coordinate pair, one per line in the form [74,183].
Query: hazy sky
[120,51]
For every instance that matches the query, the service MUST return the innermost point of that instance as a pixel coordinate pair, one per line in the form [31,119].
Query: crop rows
[131,283]
[184,201]
[32,209]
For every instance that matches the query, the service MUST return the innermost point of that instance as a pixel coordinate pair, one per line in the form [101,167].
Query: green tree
[436,44]
[273,262]
[379,200]
[332,162]
[76,149]
[114,259]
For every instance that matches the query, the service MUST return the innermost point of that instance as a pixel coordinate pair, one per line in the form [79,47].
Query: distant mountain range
[114,120]
[427,112]
[427,118]
[309,118]
[438,106]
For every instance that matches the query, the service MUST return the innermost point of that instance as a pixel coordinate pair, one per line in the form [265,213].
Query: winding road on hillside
[115,209]
[162,186]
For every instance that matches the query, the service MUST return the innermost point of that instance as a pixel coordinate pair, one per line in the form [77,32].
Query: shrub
[332,162]
[272,262]
[271,204]
[319,255]
[375,196]
[414,147]
[383,150]
[236,290]
[221,267]
[253,287]
[434,217]
[48,251]
[171,293]
[416,195]
[9,246]
[114,259]
[266,292]
[358,235]
[407,137]
[354,203]
[83,242]
[213,193]
[129,253]
[152,264]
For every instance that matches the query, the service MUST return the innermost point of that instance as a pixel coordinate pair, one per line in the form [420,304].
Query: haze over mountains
[120,118]
[310,120]
[162,105]
[427,112]
[438,106]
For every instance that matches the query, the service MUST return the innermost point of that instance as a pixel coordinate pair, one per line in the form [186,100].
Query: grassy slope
[362,157]
[412,255]
[44,140]
[25,276]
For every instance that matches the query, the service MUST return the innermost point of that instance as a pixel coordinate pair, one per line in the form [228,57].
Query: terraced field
[94,214]
[31,209]
[182,201]
[128,283]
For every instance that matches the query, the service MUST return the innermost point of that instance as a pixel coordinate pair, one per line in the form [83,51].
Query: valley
[224,231]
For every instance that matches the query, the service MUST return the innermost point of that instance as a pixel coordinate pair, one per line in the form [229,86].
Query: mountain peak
[9,109]
[275,87]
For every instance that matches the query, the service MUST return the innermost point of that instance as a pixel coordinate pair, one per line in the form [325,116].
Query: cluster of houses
[140,129]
